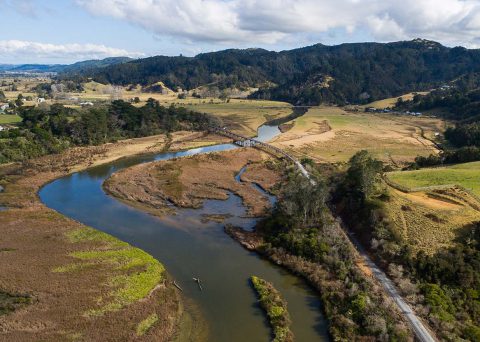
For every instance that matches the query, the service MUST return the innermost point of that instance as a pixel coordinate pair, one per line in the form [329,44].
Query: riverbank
[187,182]
[332,286]
[81,284]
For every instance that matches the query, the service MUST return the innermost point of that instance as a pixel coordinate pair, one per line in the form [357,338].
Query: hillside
[346,73]
[79,67]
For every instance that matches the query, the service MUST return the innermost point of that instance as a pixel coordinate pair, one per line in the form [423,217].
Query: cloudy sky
[64,31]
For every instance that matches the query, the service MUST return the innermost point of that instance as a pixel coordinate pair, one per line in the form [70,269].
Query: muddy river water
[190,246]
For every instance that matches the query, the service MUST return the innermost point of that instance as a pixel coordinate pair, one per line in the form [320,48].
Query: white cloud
[22,49]
[268,22]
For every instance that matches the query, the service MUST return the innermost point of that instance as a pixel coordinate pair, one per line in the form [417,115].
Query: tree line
[53,129]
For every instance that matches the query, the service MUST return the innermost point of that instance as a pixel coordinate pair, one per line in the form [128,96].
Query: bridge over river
[252,142]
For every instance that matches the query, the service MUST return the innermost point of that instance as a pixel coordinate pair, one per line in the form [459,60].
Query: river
[189,246]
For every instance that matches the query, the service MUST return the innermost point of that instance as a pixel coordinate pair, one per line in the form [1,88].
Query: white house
[2,128]
[4,107]
[40,100]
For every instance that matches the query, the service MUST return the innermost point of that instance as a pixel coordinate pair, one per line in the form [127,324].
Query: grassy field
[333,135]
[390,102]
[9,119]
[466,175]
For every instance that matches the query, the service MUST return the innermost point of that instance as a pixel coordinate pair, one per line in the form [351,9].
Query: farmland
[244,116]
[331,134]
[466,175]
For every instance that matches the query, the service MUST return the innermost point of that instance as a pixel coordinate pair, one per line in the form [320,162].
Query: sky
[66,31]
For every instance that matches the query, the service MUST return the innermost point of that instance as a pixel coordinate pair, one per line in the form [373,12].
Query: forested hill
[347,73]
[79,67]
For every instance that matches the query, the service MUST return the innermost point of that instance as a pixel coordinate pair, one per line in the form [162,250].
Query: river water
[190,246]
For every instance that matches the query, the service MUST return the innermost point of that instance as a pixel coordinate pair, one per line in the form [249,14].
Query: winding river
[191,246]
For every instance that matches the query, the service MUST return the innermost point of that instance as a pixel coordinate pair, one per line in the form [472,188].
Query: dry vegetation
[245,116]
[431,221]
[187,182]
[390,102]
[76,283]
[437,212]
[330,134]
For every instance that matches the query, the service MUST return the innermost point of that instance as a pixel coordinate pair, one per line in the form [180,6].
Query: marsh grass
[11,302]
[137,273]
[144,326]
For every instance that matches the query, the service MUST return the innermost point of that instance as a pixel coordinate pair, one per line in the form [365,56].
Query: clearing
[391,101]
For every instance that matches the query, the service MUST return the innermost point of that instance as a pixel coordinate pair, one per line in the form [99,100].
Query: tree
[304,201]
[363,174]
[223,96]
[2,96]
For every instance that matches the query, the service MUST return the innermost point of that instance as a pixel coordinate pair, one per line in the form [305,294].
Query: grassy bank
[276,309]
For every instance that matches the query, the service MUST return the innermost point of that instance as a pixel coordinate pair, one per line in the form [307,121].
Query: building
[4,107]
[2,128]
[40,100]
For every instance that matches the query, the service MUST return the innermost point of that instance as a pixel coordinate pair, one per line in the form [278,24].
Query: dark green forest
[51,130]
[346,73]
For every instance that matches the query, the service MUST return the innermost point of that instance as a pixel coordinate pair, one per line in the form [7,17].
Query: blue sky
[64,31]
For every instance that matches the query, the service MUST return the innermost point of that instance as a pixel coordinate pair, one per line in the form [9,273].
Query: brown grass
[187,182]
[330,134]
[40,260]
[430,221]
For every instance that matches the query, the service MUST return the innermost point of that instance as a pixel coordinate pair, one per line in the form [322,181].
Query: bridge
[251,142]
